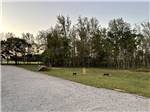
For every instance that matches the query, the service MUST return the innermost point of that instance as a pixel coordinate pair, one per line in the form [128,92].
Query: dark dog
[74,73]
[106,74]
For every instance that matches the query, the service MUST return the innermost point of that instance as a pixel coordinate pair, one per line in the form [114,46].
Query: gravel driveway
[24,90]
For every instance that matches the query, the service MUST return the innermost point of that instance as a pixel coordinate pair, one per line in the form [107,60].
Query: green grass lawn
[124,80]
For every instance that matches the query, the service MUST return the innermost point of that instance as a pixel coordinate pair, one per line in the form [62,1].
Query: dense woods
[85,43]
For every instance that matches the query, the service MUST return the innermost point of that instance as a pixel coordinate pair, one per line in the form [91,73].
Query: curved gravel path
[24,90]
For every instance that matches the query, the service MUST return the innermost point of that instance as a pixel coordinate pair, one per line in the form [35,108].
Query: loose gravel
[27,91]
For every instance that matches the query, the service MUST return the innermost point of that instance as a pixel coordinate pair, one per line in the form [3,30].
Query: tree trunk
[16,60]
[7,59]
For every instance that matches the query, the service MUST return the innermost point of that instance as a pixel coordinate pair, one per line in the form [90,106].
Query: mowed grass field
[121,80]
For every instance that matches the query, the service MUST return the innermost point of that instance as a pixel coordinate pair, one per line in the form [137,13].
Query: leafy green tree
[98,45]
[54,49]
[5,54]
[83,47]
[146,42]
[14,47]
[5,47]
[64,27]
[123,41]
[73,38]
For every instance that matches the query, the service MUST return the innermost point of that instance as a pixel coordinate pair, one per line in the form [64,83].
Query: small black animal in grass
[74,73]
[106,74]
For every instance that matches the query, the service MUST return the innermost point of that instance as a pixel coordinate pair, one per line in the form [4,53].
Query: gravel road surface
[27,91]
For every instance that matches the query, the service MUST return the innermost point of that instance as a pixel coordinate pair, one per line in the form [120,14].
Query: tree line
[87,44]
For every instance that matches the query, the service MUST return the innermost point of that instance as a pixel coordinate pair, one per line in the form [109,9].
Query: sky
[35,15]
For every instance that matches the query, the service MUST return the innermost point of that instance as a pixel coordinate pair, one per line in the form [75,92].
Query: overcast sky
[19,17]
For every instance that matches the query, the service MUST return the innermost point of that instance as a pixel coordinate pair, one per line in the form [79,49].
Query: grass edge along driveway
[120,80]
